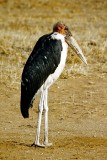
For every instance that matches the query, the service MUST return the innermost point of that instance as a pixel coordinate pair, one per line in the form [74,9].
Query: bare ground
[77,101]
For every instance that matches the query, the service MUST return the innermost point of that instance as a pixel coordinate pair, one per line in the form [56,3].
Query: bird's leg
[46,117]
[40,107]
[45,105]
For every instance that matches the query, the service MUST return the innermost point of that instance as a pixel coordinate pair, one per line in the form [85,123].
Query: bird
[42,68]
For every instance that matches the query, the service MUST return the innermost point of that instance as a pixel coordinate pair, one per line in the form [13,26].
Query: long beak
[74,45]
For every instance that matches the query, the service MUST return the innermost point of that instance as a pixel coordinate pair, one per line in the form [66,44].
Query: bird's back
[42,62]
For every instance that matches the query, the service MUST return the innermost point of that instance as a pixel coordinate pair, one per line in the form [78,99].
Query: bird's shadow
[31,145]
[15,143]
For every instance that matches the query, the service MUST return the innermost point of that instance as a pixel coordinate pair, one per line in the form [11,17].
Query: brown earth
[77,101]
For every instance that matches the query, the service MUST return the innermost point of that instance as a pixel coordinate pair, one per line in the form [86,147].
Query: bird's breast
[53,77]
[61,65]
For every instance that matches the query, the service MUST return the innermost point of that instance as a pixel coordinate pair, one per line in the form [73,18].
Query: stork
[42,69]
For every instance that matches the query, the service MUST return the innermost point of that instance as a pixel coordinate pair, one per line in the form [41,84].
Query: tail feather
[24,106]
[25,112]
[27,98]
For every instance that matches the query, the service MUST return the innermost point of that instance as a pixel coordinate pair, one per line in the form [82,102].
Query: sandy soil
[77,101]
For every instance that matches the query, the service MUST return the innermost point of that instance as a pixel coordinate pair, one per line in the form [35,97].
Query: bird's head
[64,30]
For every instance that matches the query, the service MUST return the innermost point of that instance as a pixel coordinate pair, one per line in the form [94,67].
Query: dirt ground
[78,99]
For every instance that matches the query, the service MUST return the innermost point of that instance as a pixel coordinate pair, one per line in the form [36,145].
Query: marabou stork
[42,69]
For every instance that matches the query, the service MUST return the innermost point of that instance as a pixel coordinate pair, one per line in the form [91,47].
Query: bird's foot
[47,144]
[42,145]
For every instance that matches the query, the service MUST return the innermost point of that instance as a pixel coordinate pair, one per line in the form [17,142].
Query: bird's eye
[66,28]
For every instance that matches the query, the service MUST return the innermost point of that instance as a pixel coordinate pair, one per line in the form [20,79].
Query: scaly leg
[45,105]
[40,107]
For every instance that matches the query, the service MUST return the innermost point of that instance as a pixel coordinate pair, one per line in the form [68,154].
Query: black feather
[42,62]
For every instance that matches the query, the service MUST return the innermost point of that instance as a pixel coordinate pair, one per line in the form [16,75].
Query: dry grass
[23,22]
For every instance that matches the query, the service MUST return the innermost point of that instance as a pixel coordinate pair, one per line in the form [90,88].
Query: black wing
[42,62]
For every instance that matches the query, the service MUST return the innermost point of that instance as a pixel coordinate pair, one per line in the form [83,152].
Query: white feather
[53,77]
